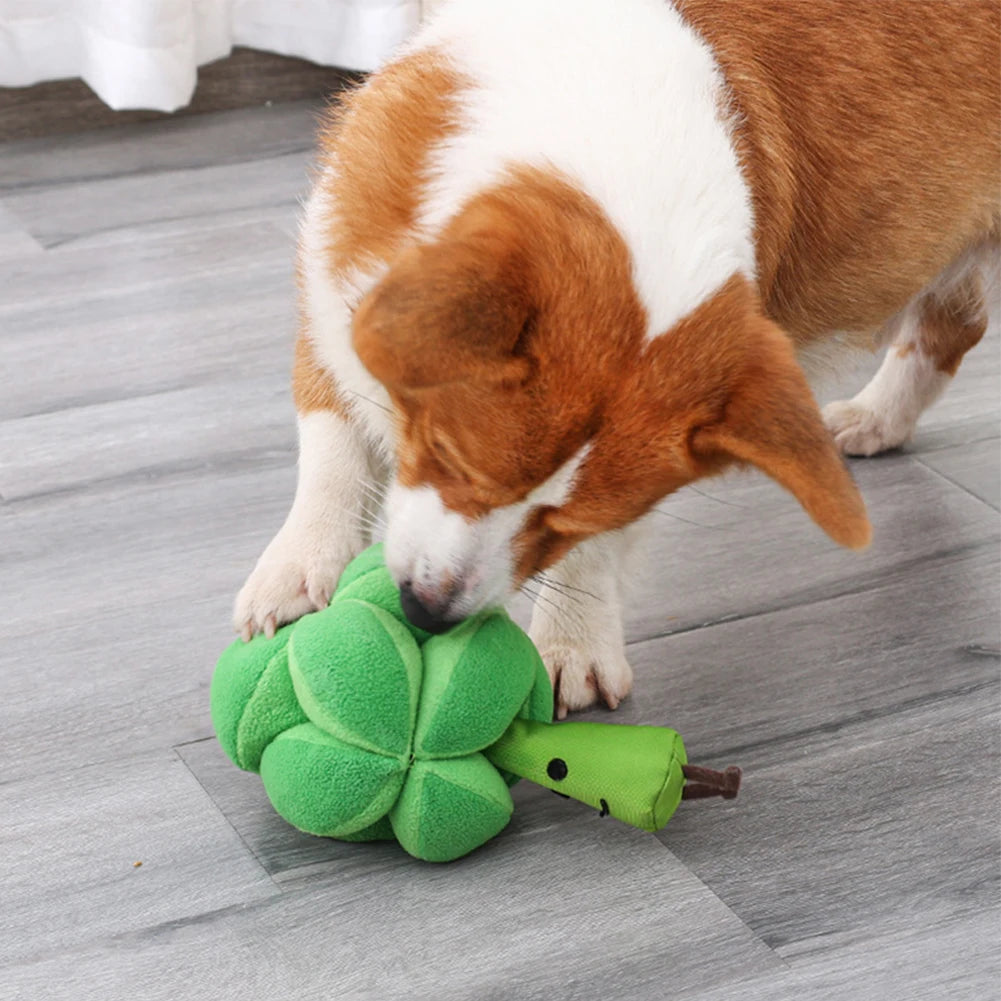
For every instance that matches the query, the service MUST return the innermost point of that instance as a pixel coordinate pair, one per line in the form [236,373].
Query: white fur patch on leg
[577,626]
[298,571]
[884,414]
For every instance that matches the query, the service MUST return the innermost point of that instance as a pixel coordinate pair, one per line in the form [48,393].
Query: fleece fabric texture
[363,726]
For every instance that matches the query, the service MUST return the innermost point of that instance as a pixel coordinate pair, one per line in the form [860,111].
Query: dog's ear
[772,421]
[449,311]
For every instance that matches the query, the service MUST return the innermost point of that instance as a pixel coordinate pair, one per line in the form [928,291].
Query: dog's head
[534,411]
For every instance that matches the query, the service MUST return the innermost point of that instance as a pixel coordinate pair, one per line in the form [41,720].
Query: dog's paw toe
[859,430]
[272,596]
[289,581]
[581,676]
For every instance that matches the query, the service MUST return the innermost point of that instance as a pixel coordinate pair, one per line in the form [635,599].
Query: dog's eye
[448,458]
[443,452]
[480,486]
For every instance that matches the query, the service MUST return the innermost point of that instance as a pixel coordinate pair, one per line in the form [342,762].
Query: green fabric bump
[357,673]
[477,677]
[539,704]
[325,786]
[367,561]
[381,830]
[448,808]
[538,707]
[251,698]
[367,579]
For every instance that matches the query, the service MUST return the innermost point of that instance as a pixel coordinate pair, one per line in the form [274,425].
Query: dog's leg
[326,526]
[577,623]
[927,341]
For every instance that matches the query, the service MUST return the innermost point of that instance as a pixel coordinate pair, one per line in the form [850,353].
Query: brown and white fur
[564,258]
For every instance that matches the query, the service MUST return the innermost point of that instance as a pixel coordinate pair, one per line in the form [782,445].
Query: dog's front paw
[582,673]
[860,430]
[296,574]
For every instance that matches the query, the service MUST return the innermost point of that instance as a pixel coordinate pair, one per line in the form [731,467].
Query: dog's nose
[421,614]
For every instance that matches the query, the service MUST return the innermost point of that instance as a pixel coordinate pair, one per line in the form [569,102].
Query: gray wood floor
[146,455]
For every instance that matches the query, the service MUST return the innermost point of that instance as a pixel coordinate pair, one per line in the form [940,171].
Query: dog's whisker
[564,586]
[361,517]
[575,610]
[688,521]
[369,513]
[548,602]
[719,500]
[569,590]
[541,578]
[372,490]
[539,596]
[371,526]
[368,399]
[565,595]
[358,510]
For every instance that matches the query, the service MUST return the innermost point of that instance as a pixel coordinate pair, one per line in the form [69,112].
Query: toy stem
[703,782]
[633,773]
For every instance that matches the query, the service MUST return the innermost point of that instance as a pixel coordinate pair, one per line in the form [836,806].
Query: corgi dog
[563,258]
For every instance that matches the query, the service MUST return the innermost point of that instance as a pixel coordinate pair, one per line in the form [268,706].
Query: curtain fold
[146,53]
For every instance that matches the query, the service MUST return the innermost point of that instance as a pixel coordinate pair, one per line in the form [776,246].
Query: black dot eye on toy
[557,769]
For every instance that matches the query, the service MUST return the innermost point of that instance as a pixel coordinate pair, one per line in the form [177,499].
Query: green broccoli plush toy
[364,727]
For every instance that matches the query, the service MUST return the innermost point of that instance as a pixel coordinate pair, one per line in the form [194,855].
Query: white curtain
[145,53]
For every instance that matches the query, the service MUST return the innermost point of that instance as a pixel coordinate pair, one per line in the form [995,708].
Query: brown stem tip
[703,782]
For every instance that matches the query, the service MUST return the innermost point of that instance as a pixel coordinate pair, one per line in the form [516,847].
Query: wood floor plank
[207,140]
[741,543]
[870,749]
[121,681]
[975,467]
[170,544]
[167,270]
[955,961]
[190,533]
[762,680]
[169,311]
[121,603]
[70,841]
[86,446]
[62,214]
[859,756]
[570,918]
[774,680]
[918,965]
[15,240]
[875,836]
[695,573]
